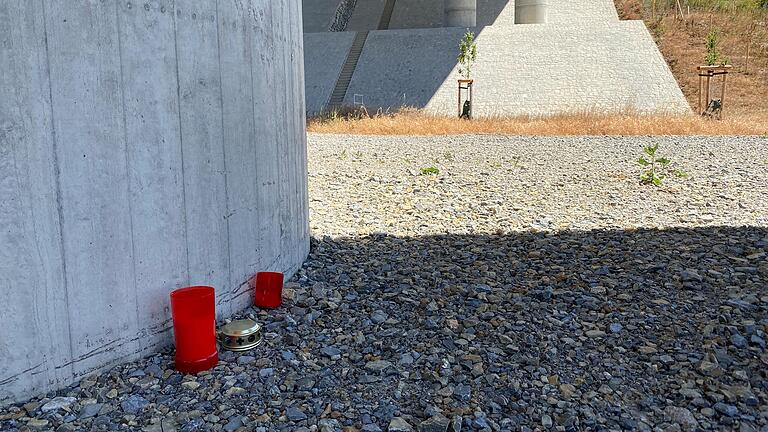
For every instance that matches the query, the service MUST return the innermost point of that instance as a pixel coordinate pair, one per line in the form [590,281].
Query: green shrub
[467,54]
[713,56]
[430,171]
[728,4]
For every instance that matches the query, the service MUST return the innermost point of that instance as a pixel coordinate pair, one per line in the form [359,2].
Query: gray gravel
[490,184]
[532,284]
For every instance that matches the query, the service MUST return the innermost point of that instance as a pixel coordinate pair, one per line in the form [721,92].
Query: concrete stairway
[350,64]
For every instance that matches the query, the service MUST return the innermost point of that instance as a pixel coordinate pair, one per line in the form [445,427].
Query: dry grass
[742,40]
[413,122]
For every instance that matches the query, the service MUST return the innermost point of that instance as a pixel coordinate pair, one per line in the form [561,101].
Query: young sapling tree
[467,54]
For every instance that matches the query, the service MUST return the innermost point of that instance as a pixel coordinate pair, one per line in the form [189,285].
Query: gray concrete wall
[495,12]
[319,15]
[366,15]
[324,55]
[609,67]
[416,14]
[143,147]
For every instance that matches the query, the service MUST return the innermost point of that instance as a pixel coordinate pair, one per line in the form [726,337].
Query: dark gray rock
[682,417]
[331,351]
[398,424]
[133,404]
[295,414]
[725,409]
[90,410]
[245,360]
[235,422]
[438,423]
[462,392]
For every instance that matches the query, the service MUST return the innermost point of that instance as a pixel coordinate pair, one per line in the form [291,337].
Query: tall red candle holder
[194,328]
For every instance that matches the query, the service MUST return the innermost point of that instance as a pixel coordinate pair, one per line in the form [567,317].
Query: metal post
[458,104]
[471,102]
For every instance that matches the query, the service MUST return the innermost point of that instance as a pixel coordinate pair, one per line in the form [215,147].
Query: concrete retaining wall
[321,15]
[324,54]
[144,146]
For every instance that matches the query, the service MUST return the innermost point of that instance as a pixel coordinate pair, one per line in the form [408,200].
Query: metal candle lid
[240,335]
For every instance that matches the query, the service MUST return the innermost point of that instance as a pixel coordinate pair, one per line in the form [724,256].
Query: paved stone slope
[607,67]
[581,12]
[584,59]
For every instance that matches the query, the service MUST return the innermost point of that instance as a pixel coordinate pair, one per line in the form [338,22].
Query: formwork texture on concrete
[142,148]
[324,56]
[521,70]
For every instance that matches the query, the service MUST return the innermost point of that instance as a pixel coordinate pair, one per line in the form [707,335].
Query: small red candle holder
[268,289]
[194,328]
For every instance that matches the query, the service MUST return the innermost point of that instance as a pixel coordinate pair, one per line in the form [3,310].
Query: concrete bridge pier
[460,13]
[531,11]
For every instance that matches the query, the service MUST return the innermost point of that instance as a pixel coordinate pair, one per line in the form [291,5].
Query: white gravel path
[489,184]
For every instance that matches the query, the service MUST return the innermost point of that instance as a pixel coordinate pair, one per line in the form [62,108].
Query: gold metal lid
[240,328]
[240,335]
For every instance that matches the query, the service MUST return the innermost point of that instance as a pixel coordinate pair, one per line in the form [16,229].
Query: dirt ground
[742,42]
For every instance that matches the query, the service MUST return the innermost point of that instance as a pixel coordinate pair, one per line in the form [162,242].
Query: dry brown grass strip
[412,122]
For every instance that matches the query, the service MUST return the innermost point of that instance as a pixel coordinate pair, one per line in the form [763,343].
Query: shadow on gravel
[618,329]
[573,331]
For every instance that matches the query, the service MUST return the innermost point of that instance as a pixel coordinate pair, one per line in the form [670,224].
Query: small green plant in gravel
[430,171]
[357,155]
[343,154]
[655,166]
[448,156]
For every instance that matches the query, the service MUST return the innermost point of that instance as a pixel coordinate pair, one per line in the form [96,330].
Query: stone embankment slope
[583,59]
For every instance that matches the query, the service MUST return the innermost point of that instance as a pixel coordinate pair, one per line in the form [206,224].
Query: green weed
[654,166]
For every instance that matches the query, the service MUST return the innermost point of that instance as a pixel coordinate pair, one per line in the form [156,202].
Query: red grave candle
[268,289]
[194,328]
